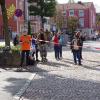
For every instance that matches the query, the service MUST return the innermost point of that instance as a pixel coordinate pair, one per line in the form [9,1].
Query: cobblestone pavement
[62,80]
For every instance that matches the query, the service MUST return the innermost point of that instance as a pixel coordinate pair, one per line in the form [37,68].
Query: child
[32,51]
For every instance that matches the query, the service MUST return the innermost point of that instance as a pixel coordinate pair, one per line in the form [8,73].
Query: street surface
[11,82]
[62,80]
[56,80]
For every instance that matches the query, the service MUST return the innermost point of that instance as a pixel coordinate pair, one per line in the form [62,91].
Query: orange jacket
[25,41]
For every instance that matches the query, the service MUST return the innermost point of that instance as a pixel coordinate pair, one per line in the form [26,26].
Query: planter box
[10,59]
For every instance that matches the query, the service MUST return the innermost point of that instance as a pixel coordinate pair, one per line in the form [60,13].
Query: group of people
[32,44]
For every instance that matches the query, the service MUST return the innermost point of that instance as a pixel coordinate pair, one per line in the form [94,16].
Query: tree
[72,23]
[43,8]
[5,23]
[98,22]
[58,19]
[29,28]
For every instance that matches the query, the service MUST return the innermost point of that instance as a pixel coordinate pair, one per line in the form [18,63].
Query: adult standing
[61,43]
[56,46]
[75,47]
[42,44]
[25,42]
[82,39]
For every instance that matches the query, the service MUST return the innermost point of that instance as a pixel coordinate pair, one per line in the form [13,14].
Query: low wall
[10,59]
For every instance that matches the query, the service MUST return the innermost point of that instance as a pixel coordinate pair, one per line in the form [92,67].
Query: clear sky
[96,3]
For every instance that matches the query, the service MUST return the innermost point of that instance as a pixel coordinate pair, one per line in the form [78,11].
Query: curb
[23,89]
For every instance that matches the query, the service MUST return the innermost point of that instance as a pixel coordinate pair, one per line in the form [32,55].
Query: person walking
[25,43]
[75,47]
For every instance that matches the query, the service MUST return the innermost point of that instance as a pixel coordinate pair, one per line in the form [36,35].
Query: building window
[64,13]
[81,22]
[71,12]
[81,13]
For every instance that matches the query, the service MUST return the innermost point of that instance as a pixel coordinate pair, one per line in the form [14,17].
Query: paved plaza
[62,80]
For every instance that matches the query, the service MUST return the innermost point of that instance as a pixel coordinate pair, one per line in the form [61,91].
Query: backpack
[75,44]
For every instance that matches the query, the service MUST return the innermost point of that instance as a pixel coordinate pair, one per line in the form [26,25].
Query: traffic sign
[18,12]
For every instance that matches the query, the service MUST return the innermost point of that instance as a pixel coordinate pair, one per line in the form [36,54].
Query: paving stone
[62,80]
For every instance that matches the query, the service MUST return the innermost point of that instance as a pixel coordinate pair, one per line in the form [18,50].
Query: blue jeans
[76,55]
[56,49]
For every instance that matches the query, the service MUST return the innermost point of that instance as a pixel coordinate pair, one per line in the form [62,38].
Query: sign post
[18,13]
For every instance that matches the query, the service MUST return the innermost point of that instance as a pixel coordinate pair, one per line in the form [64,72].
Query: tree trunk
[5,23]
[42,22]
[29,28]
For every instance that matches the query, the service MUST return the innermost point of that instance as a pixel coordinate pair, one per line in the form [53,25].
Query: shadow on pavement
[56,87]
[56,64]
[15,84]
[97,67]
[93,61]
[47,86]
[68,61]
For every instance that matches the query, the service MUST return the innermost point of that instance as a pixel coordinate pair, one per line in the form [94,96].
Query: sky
[96,3]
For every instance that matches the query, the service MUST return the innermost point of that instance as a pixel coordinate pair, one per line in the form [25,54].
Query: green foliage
[98,20]
[58,19]
[13,48]
[43,8]
[72,23]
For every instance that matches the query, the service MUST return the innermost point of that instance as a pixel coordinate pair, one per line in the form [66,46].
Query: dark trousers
[76,55]
[56,49]
[24,53]
[43,51]
[81,52]
[37,54]
[60,51]
[37,50]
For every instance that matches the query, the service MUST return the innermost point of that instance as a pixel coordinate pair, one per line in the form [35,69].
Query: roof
[75,6]
[82,5]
